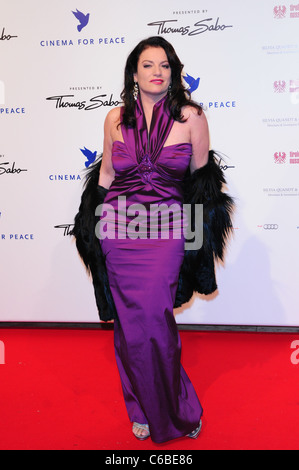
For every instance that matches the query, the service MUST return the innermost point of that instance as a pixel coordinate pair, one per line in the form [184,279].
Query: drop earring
[135,91]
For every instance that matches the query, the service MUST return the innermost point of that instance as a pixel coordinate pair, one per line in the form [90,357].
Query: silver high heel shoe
[144,427]
[194,434]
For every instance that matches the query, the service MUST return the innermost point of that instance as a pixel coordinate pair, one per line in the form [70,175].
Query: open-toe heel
[194,434]
[143,427]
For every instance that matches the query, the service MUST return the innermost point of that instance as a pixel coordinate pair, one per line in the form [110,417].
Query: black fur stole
[205,186]
[197,273]
[88,245]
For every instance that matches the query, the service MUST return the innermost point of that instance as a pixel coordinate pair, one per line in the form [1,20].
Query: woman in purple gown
[155,159]
[148,146]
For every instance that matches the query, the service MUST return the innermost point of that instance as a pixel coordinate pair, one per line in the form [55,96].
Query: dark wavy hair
[179,95]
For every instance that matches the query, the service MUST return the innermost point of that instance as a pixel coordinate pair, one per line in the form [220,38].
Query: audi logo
[270,226]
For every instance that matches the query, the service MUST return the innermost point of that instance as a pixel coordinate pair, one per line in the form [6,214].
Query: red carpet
[60,390]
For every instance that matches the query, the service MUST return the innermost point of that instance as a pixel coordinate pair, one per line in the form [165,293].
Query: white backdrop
[58,83]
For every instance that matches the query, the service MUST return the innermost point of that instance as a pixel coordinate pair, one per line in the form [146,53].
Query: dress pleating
[143,275]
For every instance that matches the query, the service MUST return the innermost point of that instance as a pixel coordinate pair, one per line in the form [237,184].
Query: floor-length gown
[143,275]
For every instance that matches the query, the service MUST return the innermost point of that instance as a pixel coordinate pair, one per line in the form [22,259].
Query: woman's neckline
[165,146]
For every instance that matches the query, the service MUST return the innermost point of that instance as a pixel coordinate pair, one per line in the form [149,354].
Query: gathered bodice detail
[146,172]
[148,145]
[142,153]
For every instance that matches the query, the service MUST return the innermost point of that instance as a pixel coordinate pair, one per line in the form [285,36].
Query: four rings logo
[270,227]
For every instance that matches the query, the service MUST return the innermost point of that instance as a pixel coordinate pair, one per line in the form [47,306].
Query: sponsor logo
[294,158]
[222,163]
[281,11]
[200,27]
[281,191]
[103,41]
[192,82]
[91,156]
[280,86]
[83,20]
[294,11]
[219,105]
[64,177]
[95,102]
[281,49]
[11,111]
[66,228]
[6,37]
[7,168]
[281,121]
[189,12]
[294,86]
[281,157]
[270,227]
[17,236]
[61,177]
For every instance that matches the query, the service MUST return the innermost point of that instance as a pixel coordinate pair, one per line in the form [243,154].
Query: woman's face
[153,72]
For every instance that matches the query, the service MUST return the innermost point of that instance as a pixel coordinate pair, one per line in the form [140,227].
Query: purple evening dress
[143,275]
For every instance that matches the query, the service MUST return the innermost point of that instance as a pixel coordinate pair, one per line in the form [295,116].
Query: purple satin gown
[143,275]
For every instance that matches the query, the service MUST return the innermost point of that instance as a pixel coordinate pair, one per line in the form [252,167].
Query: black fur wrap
[203,186]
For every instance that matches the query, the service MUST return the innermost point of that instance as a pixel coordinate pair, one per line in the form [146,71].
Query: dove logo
[91,156]
[192,82]
[82,18]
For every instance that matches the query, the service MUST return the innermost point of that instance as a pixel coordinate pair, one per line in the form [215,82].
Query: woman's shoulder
[192,111]
[114,115]
[112,120]
[194,116]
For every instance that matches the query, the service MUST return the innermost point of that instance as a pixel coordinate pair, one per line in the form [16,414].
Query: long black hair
[179,95]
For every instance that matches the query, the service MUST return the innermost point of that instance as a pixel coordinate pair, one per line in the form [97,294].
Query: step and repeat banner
[61,71]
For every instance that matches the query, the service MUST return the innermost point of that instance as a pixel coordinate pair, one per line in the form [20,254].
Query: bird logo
[83,19]
[192,82]
[91,156]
